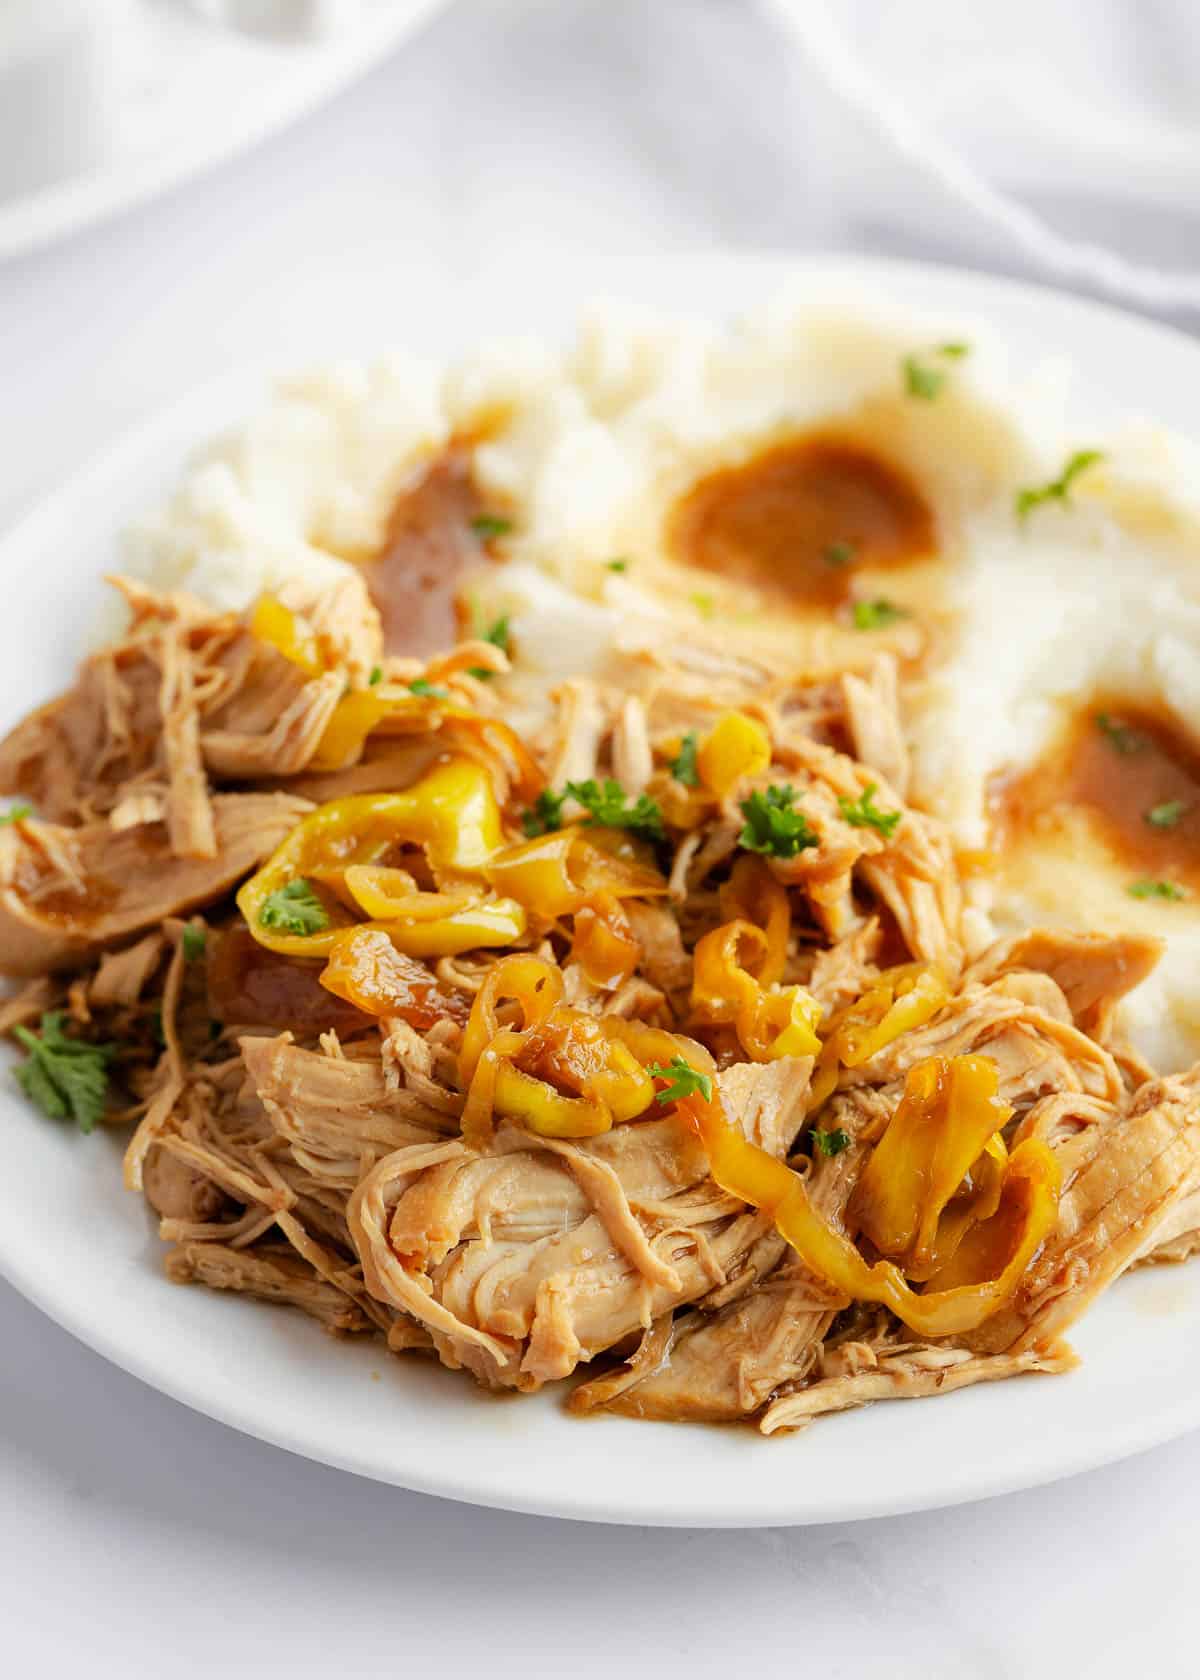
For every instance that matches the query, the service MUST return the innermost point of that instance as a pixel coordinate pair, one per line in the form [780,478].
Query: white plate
[202,95]
[84,1251]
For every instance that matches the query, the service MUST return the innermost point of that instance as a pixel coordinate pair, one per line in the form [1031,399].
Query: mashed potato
[587,449]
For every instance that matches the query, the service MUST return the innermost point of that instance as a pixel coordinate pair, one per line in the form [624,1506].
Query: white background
[138,1538]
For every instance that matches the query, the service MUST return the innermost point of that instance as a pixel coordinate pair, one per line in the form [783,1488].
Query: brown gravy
[801,518]
[429,549]
[1132,773]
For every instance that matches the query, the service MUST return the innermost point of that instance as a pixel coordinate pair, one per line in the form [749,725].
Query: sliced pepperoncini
[287,633]
[734,747]
[452,812]
[753,894]
[925,1162]
[899,1000]
[345,735]
[605,945]
[554,874]
[366,970]
[769,1022]
[983,1275]
[521,1071]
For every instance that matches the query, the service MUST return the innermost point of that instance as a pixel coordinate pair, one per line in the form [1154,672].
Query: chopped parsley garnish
[832,1142]
[683,765]
[773,825]
[194,941]
[704,604]
[922,377]
[544,815]
[608,807]
[1167,814]
[683,1080]
[1156,889]
[1119,735]
[497,634]
[294,908]
[428,690]
[1058,489]
[875,615]
[839,554]
[15,814]
[491,525]
[864,813]
[376,676]
[616,565]
[66,1077]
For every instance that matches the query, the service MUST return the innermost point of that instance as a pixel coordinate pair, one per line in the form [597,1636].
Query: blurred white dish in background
[104,103]
[59,62]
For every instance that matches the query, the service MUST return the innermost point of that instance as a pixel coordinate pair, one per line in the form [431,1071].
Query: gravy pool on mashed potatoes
[792,487]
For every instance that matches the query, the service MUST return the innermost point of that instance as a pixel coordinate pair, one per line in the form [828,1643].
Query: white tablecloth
[142,1539]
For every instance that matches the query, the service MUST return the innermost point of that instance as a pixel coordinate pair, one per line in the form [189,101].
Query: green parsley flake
[488,525]
[683,765]
[832,1142]
[194,941]
[544,815]
[15,814]
[607,807]
[839,554]
[497,634]
[1168,890]
[864,813]
[1119,735]
[376,676]
[1167,814]
[875,615]
[683,1080]
[922,377]
[773,825]
[66,1078]
[704,604]
[294,908]
[616,565]
[428,690]
[1058,489]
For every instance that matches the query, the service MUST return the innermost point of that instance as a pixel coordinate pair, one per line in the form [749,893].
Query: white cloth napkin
[1055,136]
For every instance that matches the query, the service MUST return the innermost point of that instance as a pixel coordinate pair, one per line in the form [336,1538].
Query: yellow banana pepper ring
[390,894]
[604,943]
[753,894]
[287,633]
[899,1000]
[557,1047]
[983,1275]
[534,985]
[542,1109]
[487,923]
[950,1112]
[769,1024]
[555,873]
[345,735]
[734,747]
[452,812]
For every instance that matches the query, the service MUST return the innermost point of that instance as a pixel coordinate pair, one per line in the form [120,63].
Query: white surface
[140,97]
[414,1424]
[137,1534]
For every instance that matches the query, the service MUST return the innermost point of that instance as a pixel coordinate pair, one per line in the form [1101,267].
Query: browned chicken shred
[309,1146]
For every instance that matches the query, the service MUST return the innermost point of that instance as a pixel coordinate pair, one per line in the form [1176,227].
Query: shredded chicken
[305,1139]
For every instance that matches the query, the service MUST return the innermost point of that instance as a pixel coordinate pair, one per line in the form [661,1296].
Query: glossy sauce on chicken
[430,547]
[801,519]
